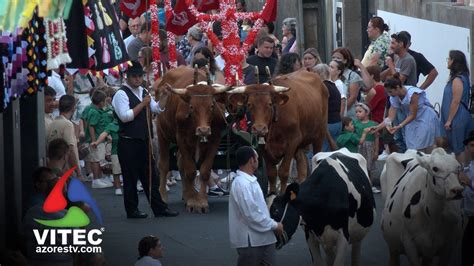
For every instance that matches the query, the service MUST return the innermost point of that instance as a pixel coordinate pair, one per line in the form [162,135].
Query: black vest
[137,128]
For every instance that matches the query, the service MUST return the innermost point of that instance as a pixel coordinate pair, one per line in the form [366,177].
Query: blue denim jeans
[335,130]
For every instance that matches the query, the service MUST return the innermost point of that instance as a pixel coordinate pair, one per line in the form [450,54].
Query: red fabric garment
[180,19]
[206,5]
[270,11]
[134,8]
[378,103]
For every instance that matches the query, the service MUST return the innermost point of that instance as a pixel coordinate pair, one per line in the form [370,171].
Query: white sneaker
[118,192]
[98,183]
[110,178]
[107,181]
[139,187]
[375,190]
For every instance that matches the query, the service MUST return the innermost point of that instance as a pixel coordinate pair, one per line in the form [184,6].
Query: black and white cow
[422,217]
[336,204]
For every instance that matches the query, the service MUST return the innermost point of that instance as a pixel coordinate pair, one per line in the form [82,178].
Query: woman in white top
[336,70]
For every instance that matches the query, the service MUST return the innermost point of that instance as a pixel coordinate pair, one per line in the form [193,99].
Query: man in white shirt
[130,104]
[250,226]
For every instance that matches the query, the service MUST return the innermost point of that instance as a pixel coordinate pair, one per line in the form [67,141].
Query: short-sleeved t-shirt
[359,129]
[423,66]
[406,66]
[95,119]
[348,140]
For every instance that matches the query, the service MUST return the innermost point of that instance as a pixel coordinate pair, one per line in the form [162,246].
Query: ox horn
[208,76]
[219,88]
[178,91]
[269,75]
[240,89]
[281,89]
[257,76]
[195,74]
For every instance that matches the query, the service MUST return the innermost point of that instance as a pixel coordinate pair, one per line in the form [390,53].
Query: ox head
[443,173]
[262,101]
[202,102]
[283,209]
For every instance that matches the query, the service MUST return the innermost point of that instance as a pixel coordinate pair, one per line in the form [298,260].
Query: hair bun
[386,27]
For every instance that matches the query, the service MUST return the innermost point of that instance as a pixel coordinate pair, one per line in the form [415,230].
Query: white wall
[433,40]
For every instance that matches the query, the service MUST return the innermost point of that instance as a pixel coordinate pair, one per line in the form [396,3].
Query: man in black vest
[130,104]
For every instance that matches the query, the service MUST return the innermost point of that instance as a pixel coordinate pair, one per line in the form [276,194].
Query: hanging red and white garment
[55,35]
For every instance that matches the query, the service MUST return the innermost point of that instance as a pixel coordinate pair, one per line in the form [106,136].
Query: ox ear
[280,98]
[292,191]
[423,159]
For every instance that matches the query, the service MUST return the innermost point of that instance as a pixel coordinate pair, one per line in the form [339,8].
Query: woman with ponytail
[377,32]
[421,124]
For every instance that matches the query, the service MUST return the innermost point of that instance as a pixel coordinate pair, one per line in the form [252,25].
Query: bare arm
[343,106]
[413,112]
[366,77]
[374,60]
[457,93]
[429,79]
[92,133]
[101,138]
[354,89]
[370,94]
[390,71]
[392,114]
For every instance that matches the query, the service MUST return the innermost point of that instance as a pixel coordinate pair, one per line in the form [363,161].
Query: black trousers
[468,243]
[133,158]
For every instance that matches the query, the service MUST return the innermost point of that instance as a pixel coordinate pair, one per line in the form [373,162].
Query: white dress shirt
[128,40]
[249,218]
[121,104]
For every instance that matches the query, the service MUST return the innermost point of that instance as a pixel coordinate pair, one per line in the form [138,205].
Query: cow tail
[331,141]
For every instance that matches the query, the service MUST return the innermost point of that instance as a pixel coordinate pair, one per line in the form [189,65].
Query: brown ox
[193,119]
[290,115]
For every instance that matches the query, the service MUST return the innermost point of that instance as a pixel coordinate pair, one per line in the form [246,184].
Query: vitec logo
[74,218]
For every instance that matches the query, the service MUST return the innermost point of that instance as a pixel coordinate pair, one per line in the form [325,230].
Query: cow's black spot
[401,177]
[403,190]
[414,167]
[407,212]
[405,162]
[434,180]
[428,211]
[415,198]
[390,207]
[394,191]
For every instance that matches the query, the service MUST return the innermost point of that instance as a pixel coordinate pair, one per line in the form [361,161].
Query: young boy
[111,130]
[467,180]
[94,127]
[348,137]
